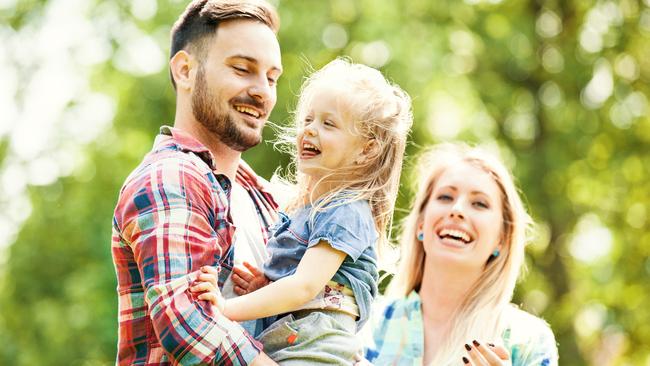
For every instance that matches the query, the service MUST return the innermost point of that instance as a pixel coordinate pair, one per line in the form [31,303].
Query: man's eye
[272,81]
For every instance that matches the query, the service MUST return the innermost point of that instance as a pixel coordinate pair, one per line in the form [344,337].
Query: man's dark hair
[201,18]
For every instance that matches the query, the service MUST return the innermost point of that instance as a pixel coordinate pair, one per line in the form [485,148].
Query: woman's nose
[457,209]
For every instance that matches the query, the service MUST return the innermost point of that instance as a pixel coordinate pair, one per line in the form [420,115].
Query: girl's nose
[310,131]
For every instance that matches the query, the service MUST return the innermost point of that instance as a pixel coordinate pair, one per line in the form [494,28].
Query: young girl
[351,128]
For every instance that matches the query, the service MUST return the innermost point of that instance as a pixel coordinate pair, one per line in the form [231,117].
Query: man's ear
[182,65]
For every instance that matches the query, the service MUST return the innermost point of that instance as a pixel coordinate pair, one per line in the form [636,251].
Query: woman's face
[463,217]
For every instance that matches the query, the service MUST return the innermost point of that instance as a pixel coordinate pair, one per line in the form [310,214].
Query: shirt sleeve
[542,351]
[533,342]
[348,227]
[168,215]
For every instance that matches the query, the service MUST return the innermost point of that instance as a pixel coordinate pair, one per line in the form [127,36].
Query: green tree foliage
[559,87]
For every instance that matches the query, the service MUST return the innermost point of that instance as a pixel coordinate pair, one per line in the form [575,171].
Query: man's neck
[226,160]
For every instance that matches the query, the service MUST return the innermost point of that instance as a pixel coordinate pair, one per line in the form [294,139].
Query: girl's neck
[318,189]
[443,290]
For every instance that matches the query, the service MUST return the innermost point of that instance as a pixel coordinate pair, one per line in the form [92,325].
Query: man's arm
[167,218]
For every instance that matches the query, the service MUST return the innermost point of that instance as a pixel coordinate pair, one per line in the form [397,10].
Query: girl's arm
[316,268]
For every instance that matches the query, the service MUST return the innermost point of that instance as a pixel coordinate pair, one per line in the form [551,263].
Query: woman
[462,251]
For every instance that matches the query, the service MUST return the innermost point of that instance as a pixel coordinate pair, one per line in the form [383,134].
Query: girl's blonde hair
[381,113]
[479,316]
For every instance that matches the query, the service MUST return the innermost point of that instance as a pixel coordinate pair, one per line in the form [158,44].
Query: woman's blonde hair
[382,114]
[479,316]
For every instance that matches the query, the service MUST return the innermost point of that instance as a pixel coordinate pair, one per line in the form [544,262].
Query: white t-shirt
[248,241]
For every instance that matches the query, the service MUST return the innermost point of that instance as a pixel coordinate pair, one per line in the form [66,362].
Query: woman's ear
[181,66]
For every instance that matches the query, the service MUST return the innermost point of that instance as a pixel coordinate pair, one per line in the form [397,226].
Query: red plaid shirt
[172,217]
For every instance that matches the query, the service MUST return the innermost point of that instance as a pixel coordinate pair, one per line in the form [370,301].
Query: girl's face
[327,140]
[463,218]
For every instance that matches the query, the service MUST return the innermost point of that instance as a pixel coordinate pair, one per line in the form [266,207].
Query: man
[174,213]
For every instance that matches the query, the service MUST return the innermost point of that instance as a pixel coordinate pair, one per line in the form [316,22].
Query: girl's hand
[486,355]
[207,285]
[249,280]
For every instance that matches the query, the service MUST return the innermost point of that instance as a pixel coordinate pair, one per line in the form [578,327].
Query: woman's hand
[248,280]
[486,355]
[207,285]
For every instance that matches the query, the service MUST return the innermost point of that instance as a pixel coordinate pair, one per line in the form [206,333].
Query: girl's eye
[308,120]
[329,123]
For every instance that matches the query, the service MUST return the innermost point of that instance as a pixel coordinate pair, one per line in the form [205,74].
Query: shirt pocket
[292,230]
[280,226]
[299,232]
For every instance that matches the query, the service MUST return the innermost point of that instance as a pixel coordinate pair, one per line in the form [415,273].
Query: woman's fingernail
[476,343]
[467,347]
[465,360]
[491,344]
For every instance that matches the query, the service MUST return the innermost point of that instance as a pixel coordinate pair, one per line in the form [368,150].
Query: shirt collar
[186,142]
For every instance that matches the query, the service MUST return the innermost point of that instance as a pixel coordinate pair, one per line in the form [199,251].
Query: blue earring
[496,253]
[421,236]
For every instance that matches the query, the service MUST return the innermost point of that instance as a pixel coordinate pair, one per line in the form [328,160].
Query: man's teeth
[247,110]
[456,234]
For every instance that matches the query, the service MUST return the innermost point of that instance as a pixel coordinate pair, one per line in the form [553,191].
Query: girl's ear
[369,152]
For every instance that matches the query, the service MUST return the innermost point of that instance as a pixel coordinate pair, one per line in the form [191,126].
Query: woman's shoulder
[525,324]
[530,338]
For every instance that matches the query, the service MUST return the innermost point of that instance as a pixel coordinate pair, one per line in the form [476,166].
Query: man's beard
[205,108]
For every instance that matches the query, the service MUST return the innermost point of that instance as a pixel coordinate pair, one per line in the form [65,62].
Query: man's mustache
[251,102]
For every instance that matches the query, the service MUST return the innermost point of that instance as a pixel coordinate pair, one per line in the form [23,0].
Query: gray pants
[312,337]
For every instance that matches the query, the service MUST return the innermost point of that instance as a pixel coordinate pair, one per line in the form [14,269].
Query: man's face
[234,89]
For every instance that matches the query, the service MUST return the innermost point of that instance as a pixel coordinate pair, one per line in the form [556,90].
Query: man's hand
[248,280]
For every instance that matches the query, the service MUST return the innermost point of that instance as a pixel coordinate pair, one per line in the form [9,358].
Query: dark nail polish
[491,344]
[476,343]
[467,347]
[465,360]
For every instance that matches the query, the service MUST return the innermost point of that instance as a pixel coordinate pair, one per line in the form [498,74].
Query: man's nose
[261,90]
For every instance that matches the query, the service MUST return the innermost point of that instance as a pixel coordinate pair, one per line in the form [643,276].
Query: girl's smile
[327,141]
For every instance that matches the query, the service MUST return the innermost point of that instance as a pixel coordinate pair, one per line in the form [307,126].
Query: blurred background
[559,87]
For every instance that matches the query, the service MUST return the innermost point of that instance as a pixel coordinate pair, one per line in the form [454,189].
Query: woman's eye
[481,204]
[240,69]
[444,197]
